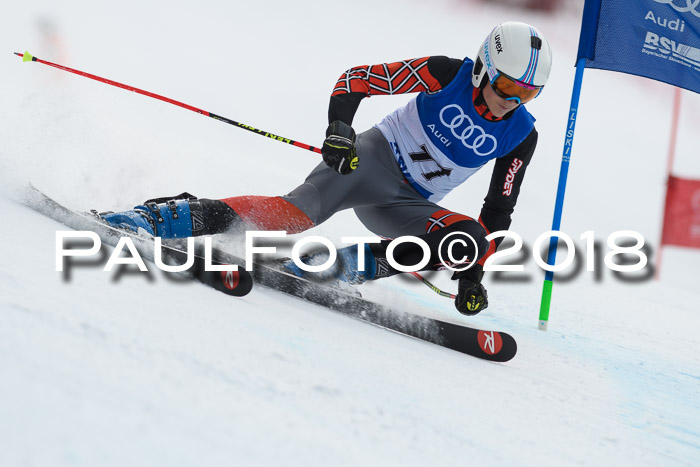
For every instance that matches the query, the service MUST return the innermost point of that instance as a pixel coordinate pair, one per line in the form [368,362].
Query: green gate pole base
[544,306]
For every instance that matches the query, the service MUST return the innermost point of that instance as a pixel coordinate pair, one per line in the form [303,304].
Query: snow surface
[132,369]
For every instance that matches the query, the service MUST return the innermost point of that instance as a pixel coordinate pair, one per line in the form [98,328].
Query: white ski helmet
[518,51]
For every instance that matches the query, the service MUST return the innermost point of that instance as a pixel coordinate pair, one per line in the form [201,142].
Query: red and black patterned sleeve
[427,74]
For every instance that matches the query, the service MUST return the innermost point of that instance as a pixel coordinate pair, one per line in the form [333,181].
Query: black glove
[339,148]
[471,294]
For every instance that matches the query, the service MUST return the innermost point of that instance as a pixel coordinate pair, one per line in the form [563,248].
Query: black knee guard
[458,247]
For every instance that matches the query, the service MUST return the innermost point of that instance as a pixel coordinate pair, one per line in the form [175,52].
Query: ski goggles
[513,90]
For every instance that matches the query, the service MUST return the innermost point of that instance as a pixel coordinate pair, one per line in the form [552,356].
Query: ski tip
[496,346]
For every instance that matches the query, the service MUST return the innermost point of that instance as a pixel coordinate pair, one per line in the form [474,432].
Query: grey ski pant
[377,191]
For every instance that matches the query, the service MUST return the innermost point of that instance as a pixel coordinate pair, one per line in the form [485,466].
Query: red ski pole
[27,57]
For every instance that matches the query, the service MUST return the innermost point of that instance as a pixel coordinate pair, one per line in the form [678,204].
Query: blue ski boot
[175,218]
[345,268]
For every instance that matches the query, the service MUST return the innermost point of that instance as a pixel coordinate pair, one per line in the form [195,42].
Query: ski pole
[433,287]
[27,57]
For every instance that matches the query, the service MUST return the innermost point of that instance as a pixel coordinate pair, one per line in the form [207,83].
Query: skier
[395,174]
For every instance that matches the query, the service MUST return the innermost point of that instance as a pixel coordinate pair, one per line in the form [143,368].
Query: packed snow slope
[128,368]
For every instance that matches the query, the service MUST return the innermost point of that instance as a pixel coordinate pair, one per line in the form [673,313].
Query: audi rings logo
[690,6]
[464,129]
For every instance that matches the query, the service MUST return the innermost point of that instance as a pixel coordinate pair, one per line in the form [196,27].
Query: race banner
[657,39]
[682,213]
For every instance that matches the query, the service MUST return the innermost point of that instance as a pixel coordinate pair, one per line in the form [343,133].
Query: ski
[236,283]
[487,345]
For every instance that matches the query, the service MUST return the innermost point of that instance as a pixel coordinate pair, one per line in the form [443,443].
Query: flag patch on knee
[443,218]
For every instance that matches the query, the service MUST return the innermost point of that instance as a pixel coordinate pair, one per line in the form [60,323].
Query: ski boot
[345,268]
[176,217]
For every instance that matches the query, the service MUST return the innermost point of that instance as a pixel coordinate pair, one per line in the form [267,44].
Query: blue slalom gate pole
[561,190]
